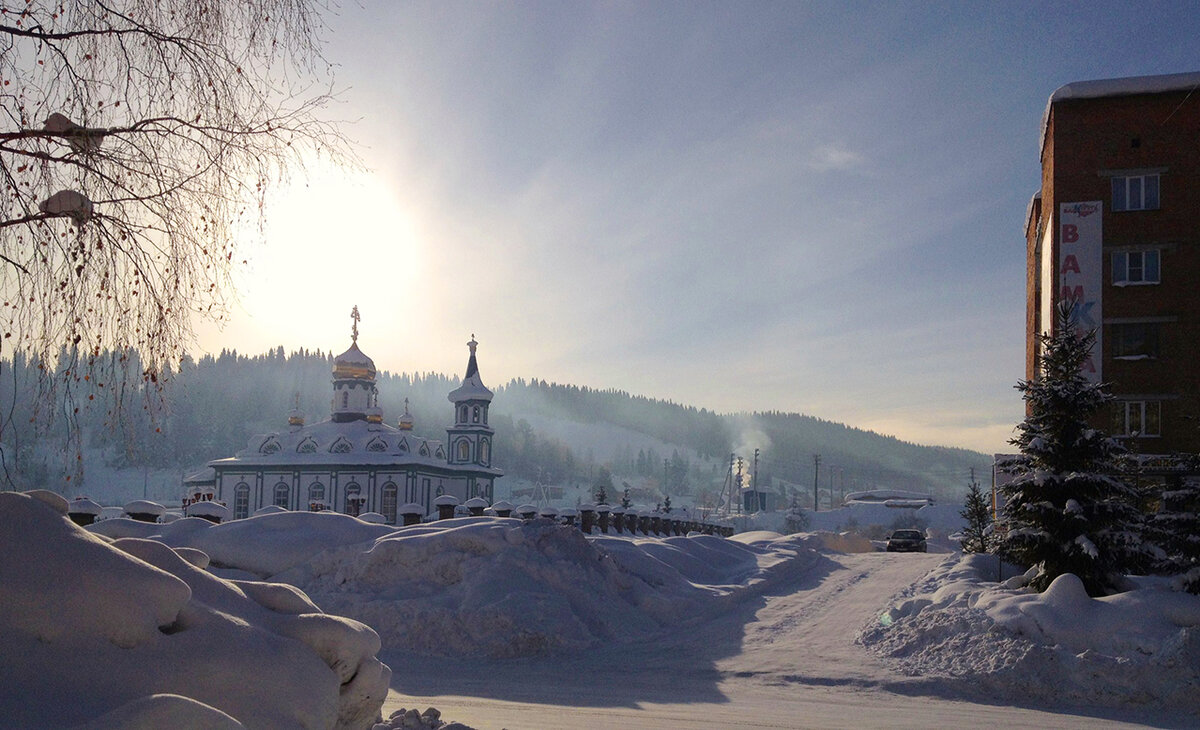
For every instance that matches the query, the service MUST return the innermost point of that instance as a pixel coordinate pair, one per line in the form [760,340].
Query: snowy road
[787,659]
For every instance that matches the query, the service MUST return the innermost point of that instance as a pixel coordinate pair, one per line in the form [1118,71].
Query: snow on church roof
[472,387]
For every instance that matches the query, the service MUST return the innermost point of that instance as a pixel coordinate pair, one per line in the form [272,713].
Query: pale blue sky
[809,207]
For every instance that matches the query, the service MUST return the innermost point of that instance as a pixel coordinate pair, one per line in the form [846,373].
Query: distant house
[355,463]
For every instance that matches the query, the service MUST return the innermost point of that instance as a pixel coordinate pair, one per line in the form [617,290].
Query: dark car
[907,541]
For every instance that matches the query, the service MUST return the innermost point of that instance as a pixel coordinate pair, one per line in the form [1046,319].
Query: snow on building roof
[472,387]
[1126,86]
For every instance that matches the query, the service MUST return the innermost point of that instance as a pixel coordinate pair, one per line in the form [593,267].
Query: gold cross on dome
[354,330]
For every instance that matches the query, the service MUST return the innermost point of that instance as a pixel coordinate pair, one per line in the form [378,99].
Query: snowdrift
[487,586]
[1141,647]
[126,632]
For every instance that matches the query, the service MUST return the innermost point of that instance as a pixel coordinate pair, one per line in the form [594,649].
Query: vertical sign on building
[1081,271]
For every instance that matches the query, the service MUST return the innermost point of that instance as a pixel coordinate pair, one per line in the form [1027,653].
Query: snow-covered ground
[500,623]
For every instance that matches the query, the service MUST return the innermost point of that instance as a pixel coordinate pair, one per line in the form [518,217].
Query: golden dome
[353,364]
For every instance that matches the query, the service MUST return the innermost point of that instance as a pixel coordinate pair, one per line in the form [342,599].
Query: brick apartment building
[1116,226]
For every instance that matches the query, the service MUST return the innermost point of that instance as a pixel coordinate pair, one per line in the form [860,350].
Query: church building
[355,463]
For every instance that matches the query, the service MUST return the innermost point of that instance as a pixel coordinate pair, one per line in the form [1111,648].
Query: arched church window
[388,502]
[316,497]
[341,446]
[475,415]
[464,450]
[485,451]
[345,398]
[354,499]
[307,446]
[462,414]
[241,501]
[283,495]
[270,446]
[377,444]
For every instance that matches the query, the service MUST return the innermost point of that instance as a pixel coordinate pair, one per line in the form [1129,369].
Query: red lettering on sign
[1070,265]
[1070,233]
[1073,292]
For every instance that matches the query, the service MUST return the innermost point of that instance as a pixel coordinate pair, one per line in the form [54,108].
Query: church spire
[472,366]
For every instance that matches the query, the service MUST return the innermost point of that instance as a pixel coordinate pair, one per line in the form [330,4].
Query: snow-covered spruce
[127,632]
[1065,511]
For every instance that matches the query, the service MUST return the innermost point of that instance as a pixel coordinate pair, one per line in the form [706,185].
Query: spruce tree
[1066,509]
[978,514]
[1176,529]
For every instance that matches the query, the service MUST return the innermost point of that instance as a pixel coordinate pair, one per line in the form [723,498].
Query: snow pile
[500,587]
[129,633]
[489,586]
[262,545]
[1141,647]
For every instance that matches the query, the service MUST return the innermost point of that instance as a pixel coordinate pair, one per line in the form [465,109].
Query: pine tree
[978,515]
[1066,510]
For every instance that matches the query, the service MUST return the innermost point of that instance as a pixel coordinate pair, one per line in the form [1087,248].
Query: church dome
[353,363]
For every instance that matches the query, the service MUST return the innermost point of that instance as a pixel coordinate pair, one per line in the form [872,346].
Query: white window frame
[1126,273]
[1129,192]
[1133,416]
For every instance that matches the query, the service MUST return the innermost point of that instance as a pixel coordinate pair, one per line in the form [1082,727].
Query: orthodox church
[355,463]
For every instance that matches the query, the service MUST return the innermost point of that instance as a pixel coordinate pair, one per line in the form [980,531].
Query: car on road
[907,541]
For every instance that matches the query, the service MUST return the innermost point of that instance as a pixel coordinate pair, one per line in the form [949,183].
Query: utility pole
[754,483]
[816,482]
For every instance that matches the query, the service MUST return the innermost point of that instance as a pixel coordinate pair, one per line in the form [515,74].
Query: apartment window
[1137,417]
[1135,267]
[1135,341]
[1135,192]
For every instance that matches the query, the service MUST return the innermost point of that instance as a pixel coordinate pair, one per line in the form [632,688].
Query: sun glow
[332,241]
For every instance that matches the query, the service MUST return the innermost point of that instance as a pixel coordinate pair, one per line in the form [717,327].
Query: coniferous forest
[560,434]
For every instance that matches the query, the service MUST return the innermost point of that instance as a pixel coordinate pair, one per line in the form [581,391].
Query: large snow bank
[489,586]
[502,587]
[130,633]
[1138,647]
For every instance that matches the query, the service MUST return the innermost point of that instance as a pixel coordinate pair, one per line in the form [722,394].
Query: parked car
[907,541]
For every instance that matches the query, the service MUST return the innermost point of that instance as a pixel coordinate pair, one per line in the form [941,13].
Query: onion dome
[374,414]
[406,421]
[353,364]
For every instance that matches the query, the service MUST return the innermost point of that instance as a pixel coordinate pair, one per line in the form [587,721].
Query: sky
[812,207]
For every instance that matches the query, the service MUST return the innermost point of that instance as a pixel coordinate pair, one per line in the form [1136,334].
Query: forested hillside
[559,434]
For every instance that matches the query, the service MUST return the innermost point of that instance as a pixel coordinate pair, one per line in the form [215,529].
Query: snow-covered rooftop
[1126,86]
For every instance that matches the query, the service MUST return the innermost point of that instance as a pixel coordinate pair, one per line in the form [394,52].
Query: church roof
[342,443]
[472,387]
